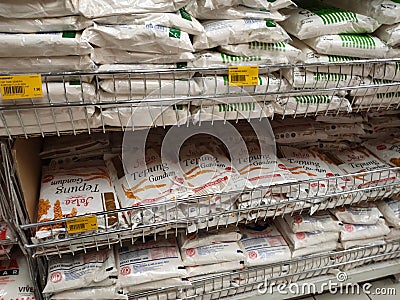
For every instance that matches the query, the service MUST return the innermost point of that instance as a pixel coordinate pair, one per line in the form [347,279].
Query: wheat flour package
[352,232]
[103,8]
[150,261]
[354,45]
[75,192]
[387,150]
[264,245]
[16,281]
[390,34]
[314,19]
[365,213]
[384,11]
[38,8]
[279,52]
[97,268]
[148,38]
[267,5]
[99,293]
[227,32]
[202,238]
[146,182]
[319,221]
[390,208]
[181,20]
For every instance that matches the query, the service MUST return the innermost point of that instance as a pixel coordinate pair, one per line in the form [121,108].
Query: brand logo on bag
[253,255]
[56,277]
[125,271]
[190,252]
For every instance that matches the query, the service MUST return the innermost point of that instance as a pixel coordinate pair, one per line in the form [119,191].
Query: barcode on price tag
[82,224]
[243,75]
[21,86]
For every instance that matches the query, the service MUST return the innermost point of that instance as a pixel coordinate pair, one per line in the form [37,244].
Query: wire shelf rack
[193,214]
[77,102]
[251,280]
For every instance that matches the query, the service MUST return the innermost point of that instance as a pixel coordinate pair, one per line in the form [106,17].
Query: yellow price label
[243,75]
[82,224]
[21,86]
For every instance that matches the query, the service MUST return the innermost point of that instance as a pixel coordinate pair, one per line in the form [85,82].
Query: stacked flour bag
[387,150]
[16,282]
[77,189]
[369,172]
[379,125]
[142,179]
[83,276]
[240,32]
[363,225]
[43,37]
[308,235]
[150,265]
[46,37]
[204,250]
[390,209]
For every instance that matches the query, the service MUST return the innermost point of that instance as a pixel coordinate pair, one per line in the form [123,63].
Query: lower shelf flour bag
[381,87]
[103,8]
[390,34]
[94,268]
[353,45]
[260,4]
[38,9]
[43,44]
[149,262]
[362,213]
[380,100]
[263,244]
[314,19]
[67,193]
[390,208]
[227,32]
[15,282]
[181,20]
[384,11]
[201,270]
[146,182]
[386,150]
[319,221]
[152,285]
[148,38]
[351,232]
[98,293]
[279,53]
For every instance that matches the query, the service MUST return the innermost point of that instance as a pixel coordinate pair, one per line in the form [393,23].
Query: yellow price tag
[21,86]
[82,224]
[243,75]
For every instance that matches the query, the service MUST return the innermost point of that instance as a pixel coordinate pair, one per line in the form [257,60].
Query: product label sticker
[21,86]
[82,224]
[243,75]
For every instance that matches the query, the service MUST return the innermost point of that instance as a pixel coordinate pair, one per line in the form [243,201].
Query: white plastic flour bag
[16,281]
[351,232]
[180,20]
[239,31]
[280,53]
[390,208]
[43,44]
[163,283]
[38,8]
[151,261]
[150,38]
[204,238]
[304,239]
[102,8]
[98,293]
[211,269]
[316,19]
[390,34]
[384,11]
[319,221]
[55,24]
[96,268]
[269,5]
[354,45]
[264,245]
[212,254]
[386,150]
[365,213]
[113,56]
[75,192]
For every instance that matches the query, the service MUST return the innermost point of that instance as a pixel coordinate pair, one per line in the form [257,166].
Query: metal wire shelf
[76,102]
[192,214]
[242,282]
